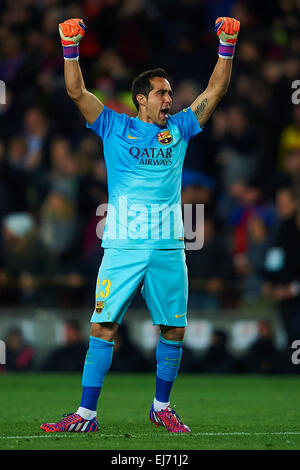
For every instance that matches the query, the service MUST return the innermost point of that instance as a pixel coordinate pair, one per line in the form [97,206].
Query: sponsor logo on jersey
[152,156]
[164,137]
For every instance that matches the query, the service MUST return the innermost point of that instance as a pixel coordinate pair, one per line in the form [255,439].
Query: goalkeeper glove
[71,32]
[227,30]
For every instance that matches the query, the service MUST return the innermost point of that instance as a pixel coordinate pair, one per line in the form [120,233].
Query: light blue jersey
[144,170]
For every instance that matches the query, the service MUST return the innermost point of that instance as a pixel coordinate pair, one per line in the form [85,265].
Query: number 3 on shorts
[108,284]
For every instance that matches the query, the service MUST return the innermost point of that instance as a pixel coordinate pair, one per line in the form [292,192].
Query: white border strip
[198,434]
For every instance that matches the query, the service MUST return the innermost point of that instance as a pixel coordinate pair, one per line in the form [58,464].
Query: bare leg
[104,331]
[172,333]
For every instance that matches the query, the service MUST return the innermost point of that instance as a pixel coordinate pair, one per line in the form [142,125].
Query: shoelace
[68,415]
[174,416]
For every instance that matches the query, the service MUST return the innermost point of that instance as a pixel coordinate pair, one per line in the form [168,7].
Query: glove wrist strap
[226,51]
[71,52]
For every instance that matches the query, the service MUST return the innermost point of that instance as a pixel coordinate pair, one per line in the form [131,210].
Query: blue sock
[90,397]
[97,363]
[163,390]
[168,357]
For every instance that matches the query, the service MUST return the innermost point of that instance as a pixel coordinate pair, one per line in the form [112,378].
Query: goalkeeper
[144,159]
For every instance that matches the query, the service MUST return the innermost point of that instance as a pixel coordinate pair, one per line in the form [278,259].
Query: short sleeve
[105,124]
[187,123]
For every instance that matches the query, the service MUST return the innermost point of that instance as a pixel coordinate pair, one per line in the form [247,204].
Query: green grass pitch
[224,412]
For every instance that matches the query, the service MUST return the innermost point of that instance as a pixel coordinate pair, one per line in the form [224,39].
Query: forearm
[227,30]
[217,86]
[71,32]
[73,79]
[220,78]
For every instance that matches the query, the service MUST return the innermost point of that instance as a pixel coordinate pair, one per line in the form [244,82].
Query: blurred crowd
[261,356]
[245,166]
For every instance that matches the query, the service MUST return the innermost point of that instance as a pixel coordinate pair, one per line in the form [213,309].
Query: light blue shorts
[165,285]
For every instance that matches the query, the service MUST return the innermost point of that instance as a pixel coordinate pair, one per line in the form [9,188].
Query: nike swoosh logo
[178,316]
[131,137]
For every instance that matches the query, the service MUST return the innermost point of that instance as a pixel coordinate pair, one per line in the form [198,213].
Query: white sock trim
[85,413]
[158,405]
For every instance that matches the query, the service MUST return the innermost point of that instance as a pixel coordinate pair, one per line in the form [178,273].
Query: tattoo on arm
[199,110]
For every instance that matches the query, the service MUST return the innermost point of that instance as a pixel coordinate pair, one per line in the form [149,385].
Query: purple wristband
[71,52]
[226,51]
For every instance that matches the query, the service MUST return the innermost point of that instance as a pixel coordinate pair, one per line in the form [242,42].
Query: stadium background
[245,168]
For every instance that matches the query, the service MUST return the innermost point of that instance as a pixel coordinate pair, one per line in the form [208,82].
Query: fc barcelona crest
[99,306]
[165,137]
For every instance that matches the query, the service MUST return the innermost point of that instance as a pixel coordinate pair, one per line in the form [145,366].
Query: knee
[172,333]
[105,331]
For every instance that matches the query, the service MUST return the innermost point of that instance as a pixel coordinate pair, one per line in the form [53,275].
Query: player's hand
[227,30]
[71,31]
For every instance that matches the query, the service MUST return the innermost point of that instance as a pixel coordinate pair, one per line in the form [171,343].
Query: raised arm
[71,32]
[227,29]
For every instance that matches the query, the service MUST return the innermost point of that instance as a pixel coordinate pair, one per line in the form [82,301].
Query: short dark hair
[142,85]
